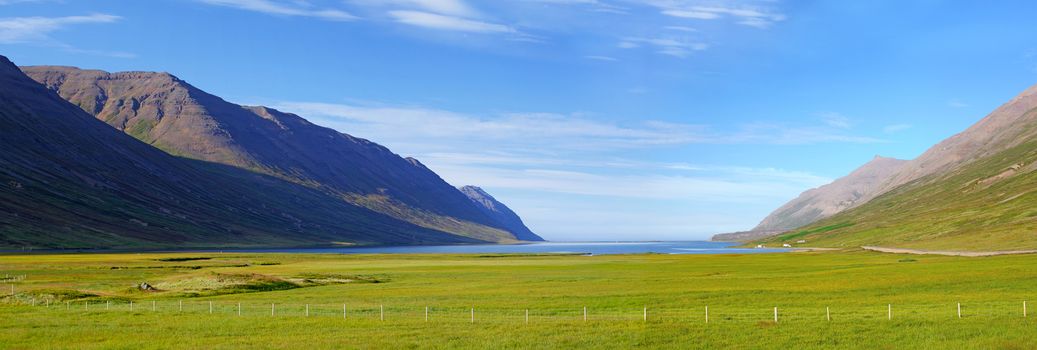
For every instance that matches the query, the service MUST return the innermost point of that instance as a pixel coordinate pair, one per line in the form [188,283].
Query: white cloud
[285,8]
[955,103]
[717,186]
[890,129]
[442,22]
[681,28]
[666,46]
[749,15]
[836,120]
[406,125]
[444,7]
[19,30]
[601,58]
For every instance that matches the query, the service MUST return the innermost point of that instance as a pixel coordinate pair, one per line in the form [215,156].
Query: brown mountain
[168,113]
[972,191]
[1004,128]
[500,212]
[68,180]
[822,202]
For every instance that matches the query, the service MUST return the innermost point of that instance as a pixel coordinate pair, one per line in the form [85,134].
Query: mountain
[68,180]
[822,202]
[500,212]
[976,190]
[172,115]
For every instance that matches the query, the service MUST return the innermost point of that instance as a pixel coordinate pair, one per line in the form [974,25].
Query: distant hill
[68,180]
[822,202]
[168,113]
[975,190]
[500,212]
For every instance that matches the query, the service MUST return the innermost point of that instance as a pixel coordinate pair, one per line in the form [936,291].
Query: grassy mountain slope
[822,202]
[68,180]
[978,191]
[168,113]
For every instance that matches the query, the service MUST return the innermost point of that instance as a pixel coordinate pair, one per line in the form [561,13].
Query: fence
[469,314]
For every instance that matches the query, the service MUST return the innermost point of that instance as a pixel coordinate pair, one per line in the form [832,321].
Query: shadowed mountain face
[68,180]
[974,190]
[168,113]
[500,212]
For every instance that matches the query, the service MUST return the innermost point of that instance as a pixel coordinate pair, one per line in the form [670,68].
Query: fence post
[889,311]
[527,316]
[473,315]
[1024,308]
[239,309]
[828,314]
[959,310]
[181,303]
[343,311]
[775,314]
[584,314]
[210,307]
[271,309]
[307,310]
[426,314]
[33,301]
[131,305]
[707,313]
[381,312]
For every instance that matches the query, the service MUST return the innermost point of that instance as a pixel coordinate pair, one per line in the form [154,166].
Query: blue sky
[593,119]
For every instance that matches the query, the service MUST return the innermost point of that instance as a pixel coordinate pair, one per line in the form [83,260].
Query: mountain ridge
[173,115]
[972,191]
[68,180]
[501,212]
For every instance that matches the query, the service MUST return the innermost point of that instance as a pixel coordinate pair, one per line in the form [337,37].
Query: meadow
[840,299]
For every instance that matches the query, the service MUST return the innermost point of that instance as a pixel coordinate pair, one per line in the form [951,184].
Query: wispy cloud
[955,103]
[456,8]
[285,8]
[572,131]
[19,30]
[753,15]
[895,128]
[666,46]
[714,185]
[601,58]
[835,120]
[38,30]
[444,22]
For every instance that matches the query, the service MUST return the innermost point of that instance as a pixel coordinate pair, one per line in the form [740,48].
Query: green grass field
[741,292]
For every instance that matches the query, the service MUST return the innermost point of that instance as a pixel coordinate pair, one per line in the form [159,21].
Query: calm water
[595,248]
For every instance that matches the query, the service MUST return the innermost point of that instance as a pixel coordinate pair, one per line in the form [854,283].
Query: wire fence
[473,314]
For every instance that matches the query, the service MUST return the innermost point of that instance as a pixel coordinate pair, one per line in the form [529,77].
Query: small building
[801,241]
[786,245]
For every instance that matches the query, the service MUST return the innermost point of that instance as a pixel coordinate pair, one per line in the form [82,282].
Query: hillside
[819,203]
[973,191]
[500,212]
[168,113]
[68,180]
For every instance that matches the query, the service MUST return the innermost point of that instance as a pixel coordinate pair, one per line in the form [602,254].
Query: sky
[592,119]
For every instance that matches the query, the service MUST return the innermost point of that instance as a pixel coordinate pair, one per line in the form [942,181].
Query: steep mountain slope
[819,203]
[68,180]
[170,114]
[500,212]
[975,190]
